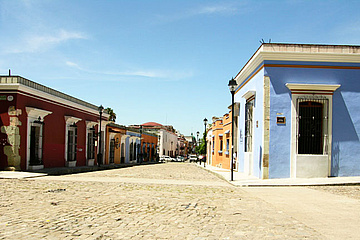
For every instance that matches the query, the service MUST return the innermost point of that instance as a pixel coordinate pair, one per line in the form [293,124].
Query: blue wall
[346,115]
[256,83]
[280,134]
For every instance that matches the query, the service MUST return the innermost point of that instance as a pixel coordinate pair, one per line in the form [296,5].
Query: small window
[249,107]
[131,151]
[72,143]
[122,153]
[91,144]
[35,145]
[112,150]
[312,126]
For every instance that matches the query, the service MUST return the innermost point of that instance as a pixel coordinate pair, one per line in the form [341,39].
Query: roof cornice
[300,53]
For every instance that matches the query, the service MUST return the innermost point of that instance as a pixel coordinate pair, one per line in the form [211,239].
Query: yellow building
[220,142]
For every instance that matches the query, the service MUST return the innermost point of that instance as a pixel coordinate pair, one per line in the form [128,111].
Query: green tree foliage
[200,149]
[112,116]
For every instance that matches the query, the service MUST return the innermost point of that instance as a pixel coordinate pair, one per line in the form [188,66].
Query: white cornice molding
[36,112]
[312,87]
[249,94]
[71,120]
[312,57]
[90,124]
[306,55]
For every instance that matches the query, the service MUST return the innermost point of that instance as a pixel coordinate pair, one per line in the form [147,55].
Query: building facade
[190,144]
[115,152]
[43,128]
[167,137]
[149,145]
[299,114]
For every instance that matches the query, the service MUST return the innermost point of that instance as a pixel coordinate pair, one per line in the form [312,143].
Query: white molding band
[71,120]
[36,112]
[312,87]
[249,94]
[90,124]
[298,53]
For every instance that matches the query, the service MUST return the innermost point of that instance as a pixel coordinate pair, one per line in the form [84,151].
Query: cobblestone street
[194,204]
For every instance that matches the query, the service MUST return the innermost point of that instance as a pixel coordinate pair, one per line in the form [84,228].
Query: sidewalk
[243,180]
[65,170]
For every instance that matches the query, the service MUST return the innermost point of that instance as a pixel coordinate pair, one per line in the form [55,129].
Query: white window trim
[33,114]
[300,91]
[249,94]
[312,87]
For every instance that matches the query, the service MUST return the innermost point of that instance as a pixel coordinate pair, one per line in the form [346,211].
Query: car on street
[180,159]
[193,158]
[165,158]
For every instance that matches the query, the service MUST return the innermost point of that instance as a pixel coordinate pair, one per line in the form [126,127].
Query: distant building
[117,144]
[191,143]
[168,141]
[299,111]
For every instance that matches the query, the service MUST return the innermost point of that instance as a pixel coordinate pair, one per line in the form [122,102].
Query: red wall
[53,130]
[4,121]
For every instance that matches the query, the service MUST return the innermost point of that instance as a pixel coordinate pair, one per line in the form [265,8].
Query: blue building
[299,111]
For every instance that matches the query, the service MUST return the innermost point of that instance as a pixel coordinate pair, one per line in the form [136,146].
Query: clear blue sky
[162,61]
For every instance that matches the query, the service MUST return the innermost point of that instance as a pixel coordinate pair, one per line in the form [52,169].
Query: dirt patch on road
[348,191]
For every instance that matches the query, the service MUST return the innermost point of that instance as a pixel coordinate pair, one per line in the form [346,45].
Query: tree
[200,149]
[112,116]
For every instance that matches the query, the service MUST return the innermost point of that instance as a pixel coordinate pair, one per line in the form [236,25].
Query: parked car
[193,158]
[180,159]
[165,158]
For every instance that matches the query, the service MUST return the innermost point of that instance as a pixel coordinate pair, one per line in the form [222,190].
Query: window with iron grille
[72,143]
[35,145]
[131,151]
[91,143]
[112,150]
[122,153]
[249,107]
[312,125]
[135,151]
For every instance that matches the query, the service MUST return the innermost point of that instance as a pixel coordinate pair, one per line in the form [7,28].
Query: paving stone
[114,209]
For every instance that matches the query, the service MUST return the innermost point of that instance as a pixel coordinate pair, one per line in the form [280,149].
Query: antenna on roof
[262,41]
[9,72]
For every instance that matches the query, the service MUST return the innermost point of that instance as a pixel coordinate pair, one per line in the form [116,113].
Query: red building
[44,128]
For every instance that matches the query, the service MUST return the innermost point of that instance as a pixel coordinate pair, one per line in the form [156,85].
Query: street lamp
[197,140]
[205,122]
[232,86]
[99,156]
